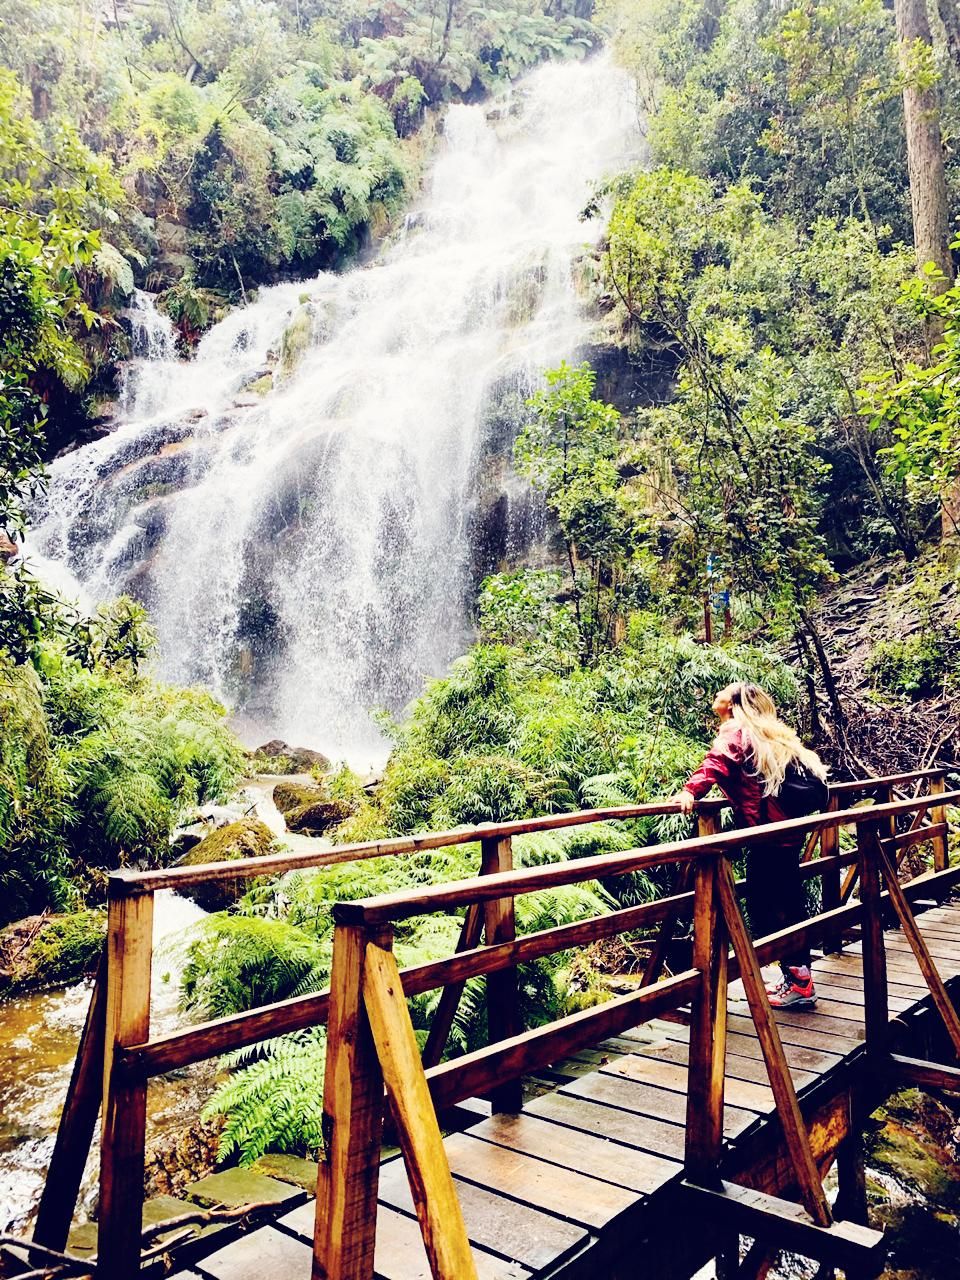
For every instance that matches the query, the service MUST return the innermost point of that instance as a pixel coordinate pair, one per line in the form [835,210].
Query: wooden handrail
[460,893]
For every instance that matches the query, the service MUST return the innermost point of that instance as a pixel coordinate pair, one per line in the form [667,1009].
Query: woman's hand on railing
[686,800]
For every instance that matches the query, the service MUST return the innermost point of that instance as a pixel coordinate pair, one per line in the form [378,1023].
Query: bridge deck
[556,1190]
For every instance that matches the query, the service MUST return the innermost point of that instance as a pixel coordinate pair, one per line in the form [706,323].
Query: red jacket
[728,766]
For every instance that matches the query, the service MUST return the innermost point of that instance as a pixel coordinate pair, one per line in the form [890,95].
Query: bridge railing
[118,1057]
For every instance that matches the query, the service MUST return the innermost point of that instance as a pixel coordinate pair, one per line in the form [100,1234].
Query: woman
[748,762]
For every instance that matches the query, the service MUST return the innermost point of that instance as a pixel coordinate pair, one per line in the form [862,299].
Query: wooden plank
[898,985]
[784,1092]
[503,996]
[346,1215]
[647,1100]
[924,1075]
[744,1094]
[515,1231]
[847,1028]
[124,1106]
[941,998]
[476,1073]
[399,1253]
[846,1244]
[808,1036]
[745,1044]
[565,1193]
[737,1068]
[450,997]
[431,1184]
[708,1029]
[78,1120]
[600,1158]
[627,1127]
[266,1252]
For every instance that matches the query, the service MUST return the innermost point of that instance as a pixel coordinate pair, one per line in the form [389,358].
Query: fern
[275,1102]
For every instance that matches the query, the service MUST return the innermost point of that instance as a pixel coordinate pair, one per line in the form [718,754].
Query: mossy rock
[316,817]
[246,838]
[288,796]
[50,951]
[262,386]
[297,338]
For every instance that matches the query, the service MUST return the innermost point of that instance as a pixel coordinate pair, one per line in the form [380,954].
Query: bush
[916,666]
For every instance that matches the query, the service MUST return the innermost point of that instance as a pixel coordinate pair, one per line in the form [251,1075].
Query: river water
[39,1035]
[309,553]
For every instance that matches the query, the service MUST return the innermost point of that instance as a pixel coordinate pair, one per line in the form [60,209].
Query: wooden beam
[781,1082]
[503,994]
[450,997]
[431,1183]
[346,1217]
[78,1121]
[708,1031]
[919,947]
[876,1010]
[924,1075]
[765,1217]
[938,817]
[123,1130]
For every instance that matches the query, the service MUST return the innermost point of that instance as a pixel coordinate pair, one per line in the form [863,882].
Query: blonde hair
[774,745]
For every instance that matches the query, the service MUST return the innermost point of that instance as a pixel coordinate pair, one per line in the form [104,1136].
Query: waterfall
[305,504]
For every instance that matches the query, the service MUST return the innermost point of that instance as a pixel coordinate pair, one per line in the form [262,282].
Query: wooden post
[123,1133]
[830,881]
[707,825]
[503,996]
[919,947]
[781,1081]
[449,1000]
[938,814]
[78,1120]
[875,1007]
[346,1221]
[431,1183]
[708,1031]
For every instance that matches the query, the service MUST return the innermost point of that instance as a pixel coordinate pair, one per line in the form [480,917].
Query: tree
[569,450]
[921,113]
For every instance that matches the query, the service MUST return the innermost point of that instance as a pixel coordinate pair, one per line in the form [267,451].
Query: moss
[288,796]
[263,386]
[50,951]
[246,838]
[317,816]
[297,337]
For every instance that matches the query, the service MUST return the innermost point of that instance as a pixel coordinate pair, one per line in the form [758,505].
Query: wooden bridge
[684,1101]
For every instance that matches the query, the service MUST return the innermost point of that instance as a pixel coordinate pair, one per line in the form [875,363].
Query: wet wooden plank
[746,1045]
[611,1122]
[601,1158]
[850,1028]
[266,1252]
[671,1075]
[737,1067]
[647,1100]
[807,1036]
[515,1231]
[400,1254]
[565,1193]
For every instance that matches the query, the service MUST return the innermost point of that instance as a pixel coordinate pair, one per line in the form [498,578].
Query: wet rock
[281,758]
[50,950]
[246,838]
[289,796]
[315,819]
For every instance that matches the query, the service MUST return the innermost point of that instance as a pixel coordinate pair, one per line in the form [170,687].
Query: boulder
[246,838]
[314,819]
[288,796]
[276,756]
[50,950]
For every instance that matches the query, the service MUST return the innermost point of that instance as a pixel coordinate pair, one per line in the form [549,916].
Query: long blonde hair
[774,744]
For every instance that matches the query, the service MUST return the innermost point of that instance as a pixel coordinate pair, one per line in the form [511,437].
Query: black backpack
[801,792]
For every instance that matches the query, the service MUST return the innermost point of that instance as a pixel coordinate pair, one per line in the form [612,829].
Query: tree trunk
[921,114]
[950,17]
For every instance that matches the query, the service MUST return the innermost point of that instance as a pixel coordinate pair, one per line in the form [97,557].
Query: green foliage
[65,949]
[919,404]
[916,666]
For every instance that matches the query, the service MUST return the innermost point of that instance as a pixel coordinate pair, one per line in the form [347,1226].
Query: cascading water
[307,553]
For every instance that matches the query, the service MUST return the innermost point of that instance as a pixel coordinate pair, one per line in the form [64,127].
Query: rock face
[247,838]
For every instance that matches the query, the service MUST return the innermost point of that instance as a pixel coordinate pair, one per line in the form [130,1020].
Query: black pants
[775,894]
